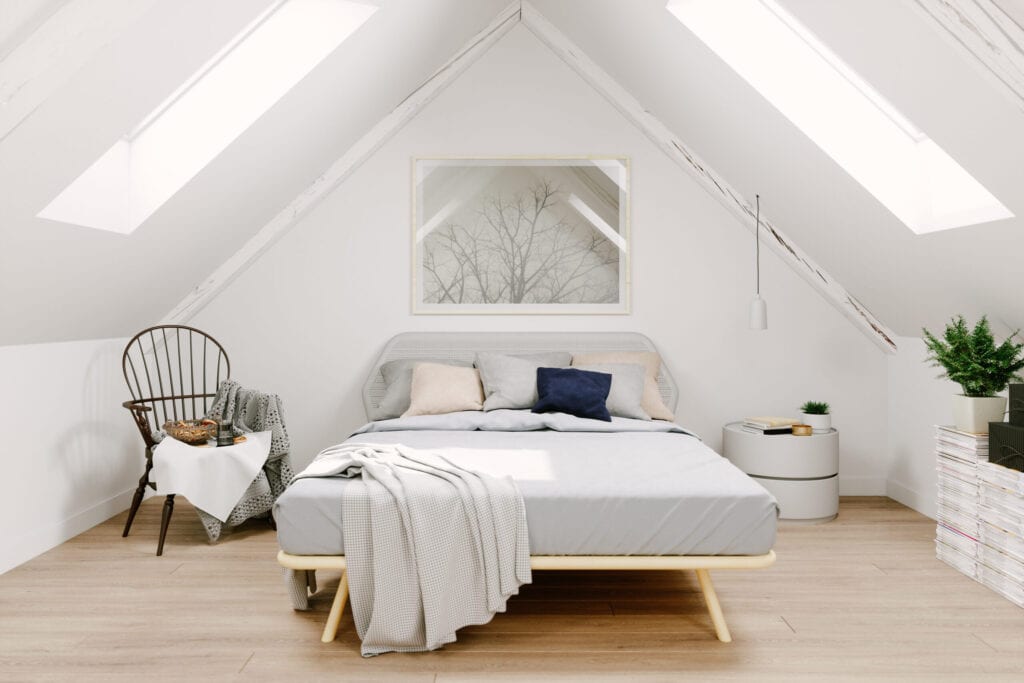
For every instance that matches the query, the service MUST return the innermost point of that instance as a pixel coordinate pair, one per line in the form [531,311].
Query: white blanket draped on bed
[430,547]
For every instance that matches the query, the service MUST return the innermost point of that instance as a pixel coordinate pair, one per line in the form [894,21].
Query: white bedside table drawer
[806,500]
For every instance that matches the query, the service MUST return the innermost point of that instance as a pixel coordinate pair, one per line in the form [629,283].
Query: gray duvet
[628,487]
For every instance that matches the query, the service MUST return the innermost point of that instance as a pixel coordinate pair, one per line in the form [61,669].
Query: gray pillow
[627,392]
[511,381]
[398,378]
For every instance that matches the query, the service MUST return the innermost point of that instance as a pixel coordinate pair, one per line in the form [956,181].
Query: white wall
[308,319]
[71,456]
[918,400]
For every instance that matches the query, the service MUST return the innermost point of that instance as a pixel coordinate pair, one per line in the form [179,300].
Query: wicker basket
[191,431]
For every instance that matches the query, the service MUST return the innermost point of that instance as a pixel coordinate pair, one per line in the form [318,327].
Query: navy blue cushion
[577,392]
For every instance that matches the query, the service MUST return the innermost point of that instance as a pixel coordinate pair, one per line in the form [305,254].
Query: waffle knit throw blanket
[253,411]
[430,547]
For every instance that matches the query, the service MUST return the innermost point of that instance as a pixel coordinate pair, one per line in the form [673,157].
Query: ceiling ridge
[521,11]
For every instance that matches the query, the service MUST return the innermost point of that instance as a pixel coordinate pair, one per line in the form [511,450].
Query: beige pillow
[439,389]
[651,403]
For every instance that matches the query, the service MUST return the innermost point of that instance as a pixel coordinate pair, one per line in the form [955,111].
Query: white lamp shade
[758,313]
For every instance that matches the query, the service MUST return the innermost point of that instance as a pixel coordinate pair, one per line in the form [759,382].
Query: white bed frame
[464,346]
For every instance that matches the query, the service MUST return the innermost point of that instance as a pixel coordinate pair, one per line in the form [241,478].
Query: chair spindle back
[175,370]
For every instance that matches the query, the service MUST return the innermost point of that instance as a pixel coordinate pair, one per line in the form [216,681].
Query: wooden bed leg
[337,607]
[715,609]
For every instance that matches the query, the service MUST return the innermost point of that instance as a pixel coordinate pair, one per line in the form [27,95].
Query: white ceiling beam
[341,169]
[781,244]
[46,57]
[991,39]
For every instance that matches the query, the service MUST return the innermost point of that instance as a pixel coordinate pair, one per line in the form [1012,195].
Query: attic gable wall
[308,317]
[525,13]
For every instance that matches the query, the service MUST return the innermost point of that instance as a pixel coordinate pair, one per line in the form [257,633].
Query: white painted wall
[308,319]
[70,455]
[918,400]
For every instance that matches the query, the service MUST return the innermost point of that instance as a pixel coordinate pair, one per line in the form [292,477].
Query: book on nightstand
[766,432]
[769,425]
[770,422]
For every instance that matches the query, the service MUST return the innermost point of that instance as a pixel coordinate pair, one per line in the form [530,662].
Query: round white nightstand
[802,472]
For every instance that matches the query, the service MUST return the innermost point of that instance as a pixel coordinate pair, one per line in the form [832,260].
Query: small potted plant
[815,414]
[971,359]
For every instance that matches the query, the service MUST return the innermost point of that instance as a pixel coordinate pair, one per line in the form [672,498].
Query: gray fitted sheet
[586,493]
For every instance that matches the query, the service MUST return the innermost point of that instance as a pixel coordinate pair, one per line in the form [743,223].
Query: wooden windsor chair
[162,366]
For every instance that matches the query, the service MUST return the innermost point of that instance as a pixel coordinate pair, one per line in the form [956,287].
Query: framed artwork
[521,235]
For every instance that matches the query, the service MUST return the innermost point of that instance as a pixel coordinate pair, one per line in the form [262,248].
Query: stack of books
[769,425]
[980,529]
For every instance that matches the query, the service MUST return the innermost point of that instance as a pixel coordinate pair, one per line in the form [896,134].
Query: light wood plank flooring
[859,598]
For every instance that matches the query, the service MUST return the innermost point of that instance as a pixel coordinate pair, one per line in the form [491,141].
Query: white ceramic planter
[821,424]
[973,413]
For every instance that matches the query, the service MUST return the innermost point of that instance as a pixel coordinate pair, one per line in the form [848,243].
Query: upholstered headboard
[463,346]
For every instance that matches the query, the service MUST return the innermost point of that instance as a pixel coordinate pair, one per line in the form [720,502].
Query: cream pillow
[651,403]
[439,389]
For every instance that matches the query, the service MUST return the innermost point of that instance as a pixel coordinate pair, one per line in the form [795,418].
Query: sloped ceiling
[905,279]
[60,282]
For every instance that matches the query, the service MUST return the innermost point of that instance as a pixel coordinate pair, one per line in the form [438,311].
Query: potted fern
[816,414]
[971,359]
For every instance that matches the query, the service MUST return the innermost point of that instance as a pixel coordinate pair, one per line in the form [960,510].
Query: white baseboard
[861,486]
[38,541]
[924,503]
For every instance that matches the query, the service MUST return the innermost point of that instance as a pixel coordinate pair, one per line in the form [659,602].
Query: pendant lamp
[758,307]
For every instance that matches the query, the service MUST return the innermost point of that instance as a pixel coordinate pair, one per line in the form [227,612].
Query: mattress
[629,487]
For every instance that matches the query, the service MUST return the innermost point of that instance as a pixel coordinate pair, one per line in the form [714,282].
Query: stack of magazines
[956,536]
[769,425]
[980,529]
[1001,523]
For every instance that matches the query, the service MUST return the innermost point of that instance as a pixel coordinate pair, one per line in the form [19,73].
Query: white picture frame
[521,235]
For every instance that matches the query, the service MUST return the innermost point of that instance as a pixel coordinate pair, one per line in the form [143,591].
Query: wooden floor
[860,598]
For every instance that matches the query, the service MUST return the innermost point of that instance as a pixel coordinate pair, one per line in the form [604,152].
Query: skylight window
[851,122]
[212,108]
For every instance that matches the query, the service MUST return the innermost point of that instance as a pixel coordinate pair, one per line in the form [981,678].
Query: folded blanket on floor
[430,547]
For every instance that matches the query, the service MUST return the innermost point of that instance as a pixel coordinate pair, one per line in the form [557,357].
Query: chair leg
[165,520]
[137,498]
[136,502]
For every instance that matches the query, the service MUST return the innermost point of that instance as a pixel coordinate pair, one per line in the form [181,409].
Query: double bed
[627,494]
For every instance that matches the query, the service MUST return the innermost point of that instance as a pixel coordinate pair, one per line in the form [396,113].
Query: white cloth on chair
[213,479]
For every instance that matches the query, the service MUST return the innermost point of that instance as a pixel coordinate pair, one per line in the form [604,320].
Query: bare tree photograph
[521,235]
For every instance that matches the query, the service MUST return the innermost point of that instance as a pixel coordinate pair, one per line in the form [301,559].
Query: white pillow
[398,379]
[511,381]
[626,396]
[439,389]
[652,403]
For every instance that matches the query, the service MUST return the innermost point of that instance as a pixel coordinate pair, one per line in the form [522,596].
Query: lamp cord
[757,247]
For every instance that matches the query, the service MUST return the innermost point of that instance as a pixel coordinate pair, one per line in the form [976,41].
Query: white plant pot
[820,424]
[973,413]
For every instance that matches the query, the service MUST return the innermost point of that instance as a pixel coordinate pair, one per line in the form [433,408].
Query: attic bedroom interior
[452,340]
